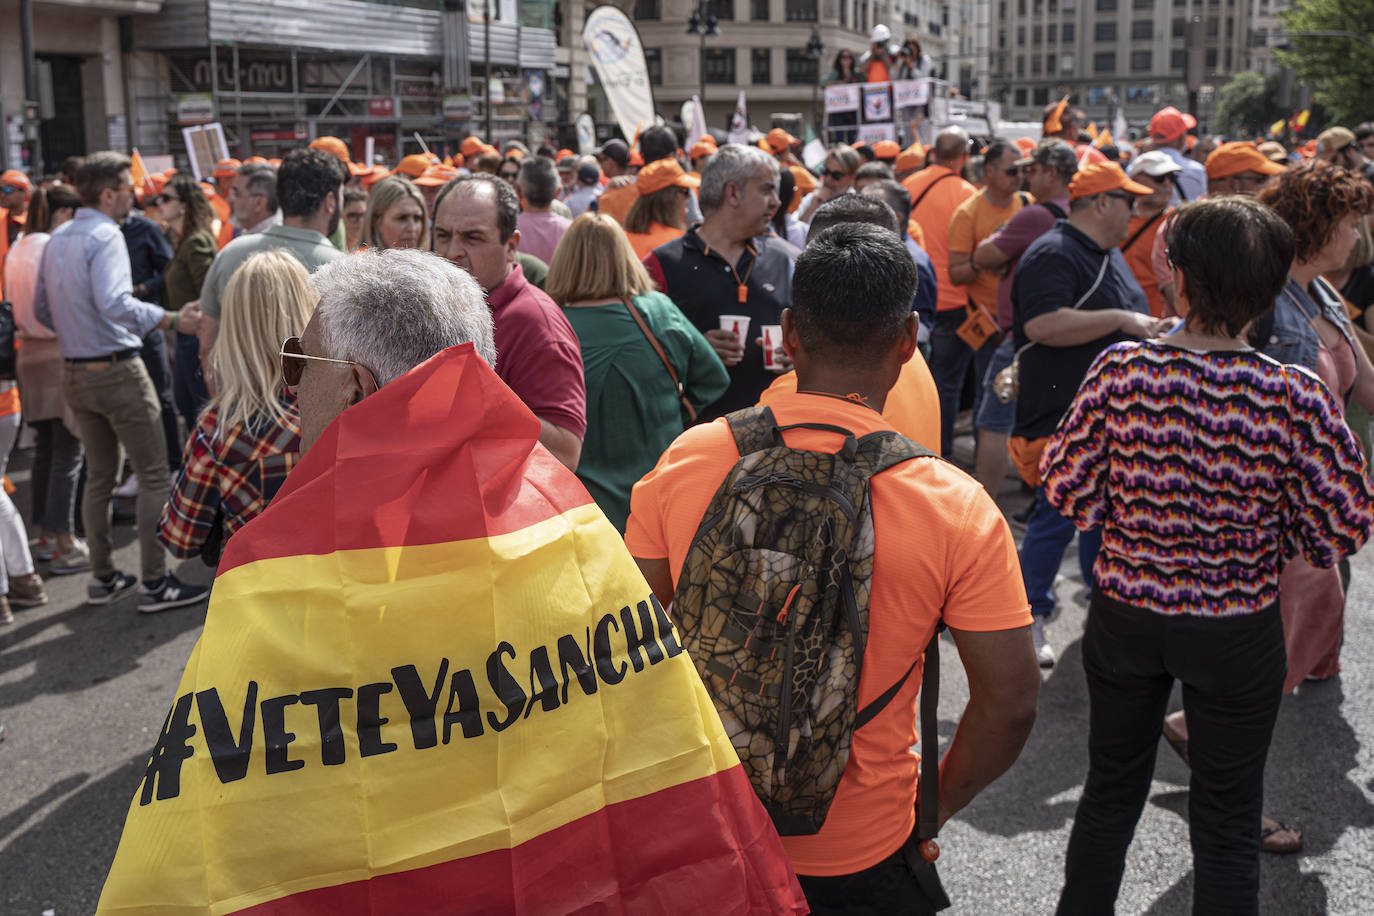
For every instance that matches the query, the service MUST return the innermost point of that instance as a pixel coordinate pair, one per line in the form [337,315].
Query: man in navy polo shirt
[1073,295]
[726,267]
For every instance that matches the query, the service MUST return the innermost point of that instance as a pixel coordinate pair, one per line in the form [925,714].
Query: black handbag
[7,351]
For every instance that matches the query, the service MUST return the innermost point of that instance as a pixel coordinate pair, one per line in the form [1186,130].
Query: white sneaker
[128,489]
[76,560]
[1044,653]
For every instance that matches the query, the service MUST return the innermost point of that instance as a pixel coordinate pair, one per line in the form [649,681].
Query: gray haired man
[381,314]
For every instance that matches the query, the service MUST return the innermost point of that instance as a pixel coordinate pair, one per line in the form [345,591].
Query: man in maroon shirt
[537,352]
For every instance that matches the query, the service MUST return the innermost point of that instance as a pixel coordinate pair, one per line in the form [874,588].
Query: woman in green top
[633,408]
[186,211]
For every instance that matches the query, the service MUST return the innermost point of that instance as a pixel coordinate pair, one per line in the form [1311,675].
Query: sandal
[1273,841]
[1176,741]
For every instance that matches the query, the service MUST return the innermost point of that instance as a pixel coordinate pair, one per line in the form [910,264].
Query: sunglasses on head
[293,363]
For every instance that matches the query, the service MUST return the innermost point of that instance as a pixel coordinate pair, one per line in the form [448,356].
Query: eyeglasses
[1121,195]
[1013,171]
[293,365]
[835,175]
[10,188]
[166,199]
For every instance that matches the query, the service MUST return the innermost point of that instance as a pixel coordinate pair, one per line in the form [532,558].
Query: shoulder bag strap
[928,801]
[1054,209]
[1101,272]
[1141,231]
[930,187]
[653,342]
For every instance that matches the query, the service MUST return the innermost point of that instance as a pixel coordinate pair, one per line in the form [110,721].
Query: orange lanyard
[743,282]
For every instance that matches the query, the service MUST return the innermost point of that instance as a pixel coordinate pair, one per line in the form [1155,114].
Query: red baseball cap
[1169,124]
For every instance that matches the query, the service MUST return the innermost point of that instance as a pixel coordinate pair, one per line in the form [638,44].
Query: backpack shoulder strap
[754,429]
[1054,209]
[1141,231]
[1025,198]
[881,450]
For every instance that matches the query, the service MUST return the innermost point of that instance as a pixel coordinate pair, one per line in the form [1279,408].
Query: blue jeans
[188,381]
[949,358]
[154,355]
[1048,535]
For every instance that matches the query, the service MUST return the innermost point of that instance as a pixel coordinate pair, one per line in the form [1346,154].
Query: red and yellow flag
[432,680]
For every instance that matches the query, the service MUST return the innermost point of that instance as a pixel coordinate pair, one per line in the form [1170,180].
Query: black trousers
[154,355]
[1232,669]
[890,888]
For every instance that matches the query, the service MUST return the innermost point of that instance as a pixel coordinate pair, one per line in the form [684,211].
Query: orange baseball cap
[777,140]
[15,178]
[275,163]
[472,146]
[1169,124]
[703,147]
[1100,177]
[374,175]
[333,146]
[913,157]
[563,154]
[227,168]
[254,160]
[515,153]
[886,149]
[413,166]
[665,173]
[436,176]
[1240,156]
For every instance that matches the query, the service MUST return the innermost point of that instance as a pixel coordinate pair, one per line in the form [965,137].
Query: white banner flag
[697,129]
[739,122]
[872,133]
[618,57]
[841,97]
[910,93]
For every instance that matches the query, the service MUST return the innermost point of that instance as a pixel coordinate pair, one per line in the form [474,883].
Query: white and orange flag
[432,680]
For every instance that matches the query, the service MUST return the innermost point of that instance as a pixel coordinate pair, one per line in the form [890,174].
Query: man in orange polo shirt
[226,170]
[849,331]
[936,193]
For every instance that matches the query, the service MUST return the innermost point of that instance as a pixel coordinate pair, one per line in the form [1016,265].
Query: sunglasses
[10,188]
[1013,171]
[835,175]
[293,363]
[166,199]
[1121,195]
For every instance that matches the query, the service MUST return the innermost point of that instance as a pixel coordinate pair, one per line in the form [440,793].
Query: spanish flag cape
[432,680]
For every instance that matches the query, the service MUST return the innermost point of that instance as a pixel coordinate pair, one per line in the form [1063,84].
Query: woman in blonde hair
[249,435]
[636,347]
[395,216]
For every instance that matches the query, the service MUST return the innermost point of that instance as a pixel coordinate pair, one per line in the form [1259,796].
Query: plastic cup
[772,339]
[736,324]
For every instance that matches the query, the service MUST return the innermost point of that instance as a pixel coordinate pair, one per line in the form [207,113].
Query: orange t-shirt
[933,213]
[877,71]
[1139,257]
[918,235]
[962,565]
[974,220]
[645,242]
[616,202]
[912,406]
[225,235]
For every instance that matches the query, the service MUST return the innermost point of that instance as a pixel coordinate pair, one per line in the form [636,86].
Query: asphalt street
[83,693]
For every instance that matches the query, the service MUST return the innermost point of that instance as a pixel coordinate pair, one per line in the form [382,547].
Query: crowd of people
[1172,354]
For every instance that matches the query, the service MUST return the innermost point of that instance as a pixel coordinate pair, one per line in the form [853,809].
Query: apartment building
[1114,53]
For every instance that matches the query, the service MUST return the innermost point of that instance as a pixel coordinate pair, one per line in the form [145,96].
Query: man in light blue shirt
[1167,131]
[84,292]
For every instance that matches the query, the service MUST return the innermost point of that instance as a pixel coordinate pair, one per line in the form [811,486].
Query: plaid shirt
[237,476]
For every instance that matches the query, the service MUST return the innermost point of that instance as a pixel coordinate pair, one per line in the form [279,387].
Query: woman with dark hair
[188,215]
[784,225]
[39,366]
[1324,205]
[1207,464]
[841,126]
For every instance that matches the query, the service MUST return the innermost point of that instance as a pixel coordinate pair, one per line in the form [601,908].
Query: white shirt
[1192,180]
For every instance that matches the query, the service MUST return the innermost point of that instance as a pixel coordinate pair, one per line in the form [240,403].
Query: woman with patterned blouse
[249,435]
[1207,465]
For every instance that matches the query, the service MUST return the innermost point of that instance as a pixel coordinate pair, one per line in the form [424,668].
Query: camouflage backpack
[772,604]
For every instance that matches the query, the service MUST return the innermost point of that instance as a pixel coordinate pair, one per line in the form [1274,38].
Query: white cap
[1154,163]
[880,33]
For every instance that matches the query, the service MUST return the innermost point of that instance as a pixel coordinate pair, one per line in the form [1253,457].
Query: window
[653,62]
[723,9]
[1180,28]
[1068,35]
[1212,28]
[647,9]
[1178,61]
[1035,65]
[844,13]
[1049,64]
[800,10]
[1142,29]
[760,63]
[1142,4]
[758,10]
[1042,95]
[1021,96]
[1020,36]
[1211,61]
[1106,6]
[1228,58]
[1020,7]
[1002,40]
[1104,62]
[1104,31]
[801,69]
[1141,61]
[1051,33]
[1020,65]
[720,65]
[1001,10]
[1036,34]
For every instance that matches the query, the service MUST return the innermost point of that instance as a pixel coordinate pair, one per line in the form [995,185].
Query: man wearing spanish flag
[431,678]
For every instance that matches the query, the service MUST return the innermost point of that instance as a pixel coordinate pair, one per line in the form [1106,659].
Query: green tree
[1248,104]
[1337,67]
